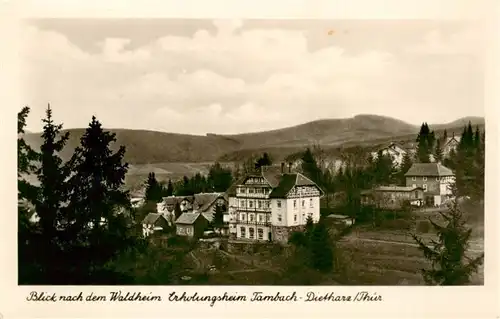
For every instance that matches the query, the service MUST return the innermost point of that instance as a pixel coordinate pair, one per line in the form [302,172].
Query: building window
[250,203]
[242,203]
[437,179]
[260,204]
[243,190]
[250,217]
[260,233]
[259,218]
[279,204]
[413,178]
[311,203]
[295,217]
[242,217]
[424,187]
[279,217]
[251,233]
[303,203]
[267,204]
[294,203]
[250,190]
[425,178]
[268,217]
[243,232]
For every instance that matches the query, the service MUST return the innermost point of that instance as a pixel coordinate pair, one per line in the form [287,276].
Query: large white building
[270,204]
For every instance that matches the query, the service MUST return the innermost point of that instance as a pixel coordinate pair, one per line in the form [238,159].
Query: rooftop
[429,169]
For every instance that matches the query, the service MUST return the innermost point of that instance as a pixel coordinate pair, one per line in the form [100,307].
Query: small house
[393,197]
[191,224]
[435,179]
[153,222]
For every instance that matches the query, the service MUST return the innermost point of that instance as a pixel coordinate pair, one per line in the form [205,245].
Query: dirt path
[405,243]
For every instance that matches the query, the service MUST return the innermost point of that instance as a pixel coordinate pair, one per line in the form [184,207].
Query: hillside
[158,147]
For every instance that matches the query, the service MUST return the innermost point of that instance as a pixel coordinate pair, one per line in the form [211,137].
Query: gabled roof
[203,201]
[152,218]
[208,216]
[231,191]
[429,169]
[455,139]
[288,181]
[188,218]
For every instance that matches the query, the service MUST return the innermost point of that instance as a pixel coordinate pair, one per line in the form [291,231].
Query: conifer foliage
[81,227]
[450,263]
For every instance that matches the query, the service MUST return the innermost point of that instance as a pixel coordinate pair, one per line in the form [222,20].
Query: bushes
[396,224]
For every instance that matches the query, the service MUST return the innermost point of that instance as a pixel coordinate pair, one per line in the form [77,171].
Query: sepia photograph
[251,152]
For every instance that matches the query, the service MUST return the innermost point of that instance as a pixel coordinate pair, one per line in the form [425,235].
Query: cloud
[237,79]
[468,41]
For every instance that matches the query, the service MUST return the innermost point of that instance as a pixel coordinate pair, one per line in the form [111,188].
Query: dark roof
[429,169]
[231,191]
[288,181]
[270,173]
[151,218]
[187,218]
[203,200]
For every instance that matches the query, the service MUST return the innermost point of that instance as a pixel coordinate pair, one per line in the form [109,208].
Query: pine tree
[424,144]
[99,231]
[309,225]
[404,167]
[52,175]
[177,210]
[477,138]
[310,167]
[450,264]
[445,136]
[219,178]
[40,252]
[320,246]
[438,152]
[153,189]
[265,160]
[170,188]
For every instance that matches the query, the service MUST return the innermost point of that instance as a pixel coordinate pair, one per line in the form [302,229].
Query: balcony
[254,222]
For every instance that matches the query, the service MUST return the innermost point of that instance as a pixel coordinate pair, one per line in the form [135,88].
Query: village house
[205,203]
[153,222]
[435,180]
[393,197]
[450,144]
[395,151]
[272,203]
[191,224]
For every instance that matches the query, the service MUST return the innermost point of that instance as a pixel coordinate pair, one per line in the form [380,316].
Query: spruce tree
[265,160]
[98,229]
[423,140]
[438,151]
[170,188]
[310,167]
[450,264]
[404,167]
[320,246]
[153,189]
[41,253]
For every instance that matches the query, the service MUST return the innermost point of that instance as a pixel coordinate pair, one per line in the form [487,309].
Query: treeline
[80,204]
[219,179]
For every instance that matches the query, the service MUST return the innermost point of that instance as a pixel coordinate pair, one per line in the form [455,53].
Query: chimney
[282,168]
[289,167]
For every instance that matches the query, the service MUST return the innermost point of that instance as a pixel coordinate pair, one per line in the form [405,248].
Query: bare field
[392,258]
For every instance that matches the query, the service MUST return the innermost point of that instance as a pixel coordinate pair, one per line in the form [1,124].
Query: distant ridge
[145,146]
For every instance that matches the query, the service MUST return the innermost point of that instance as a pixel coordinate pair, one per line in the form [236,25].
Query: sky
[235,76]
